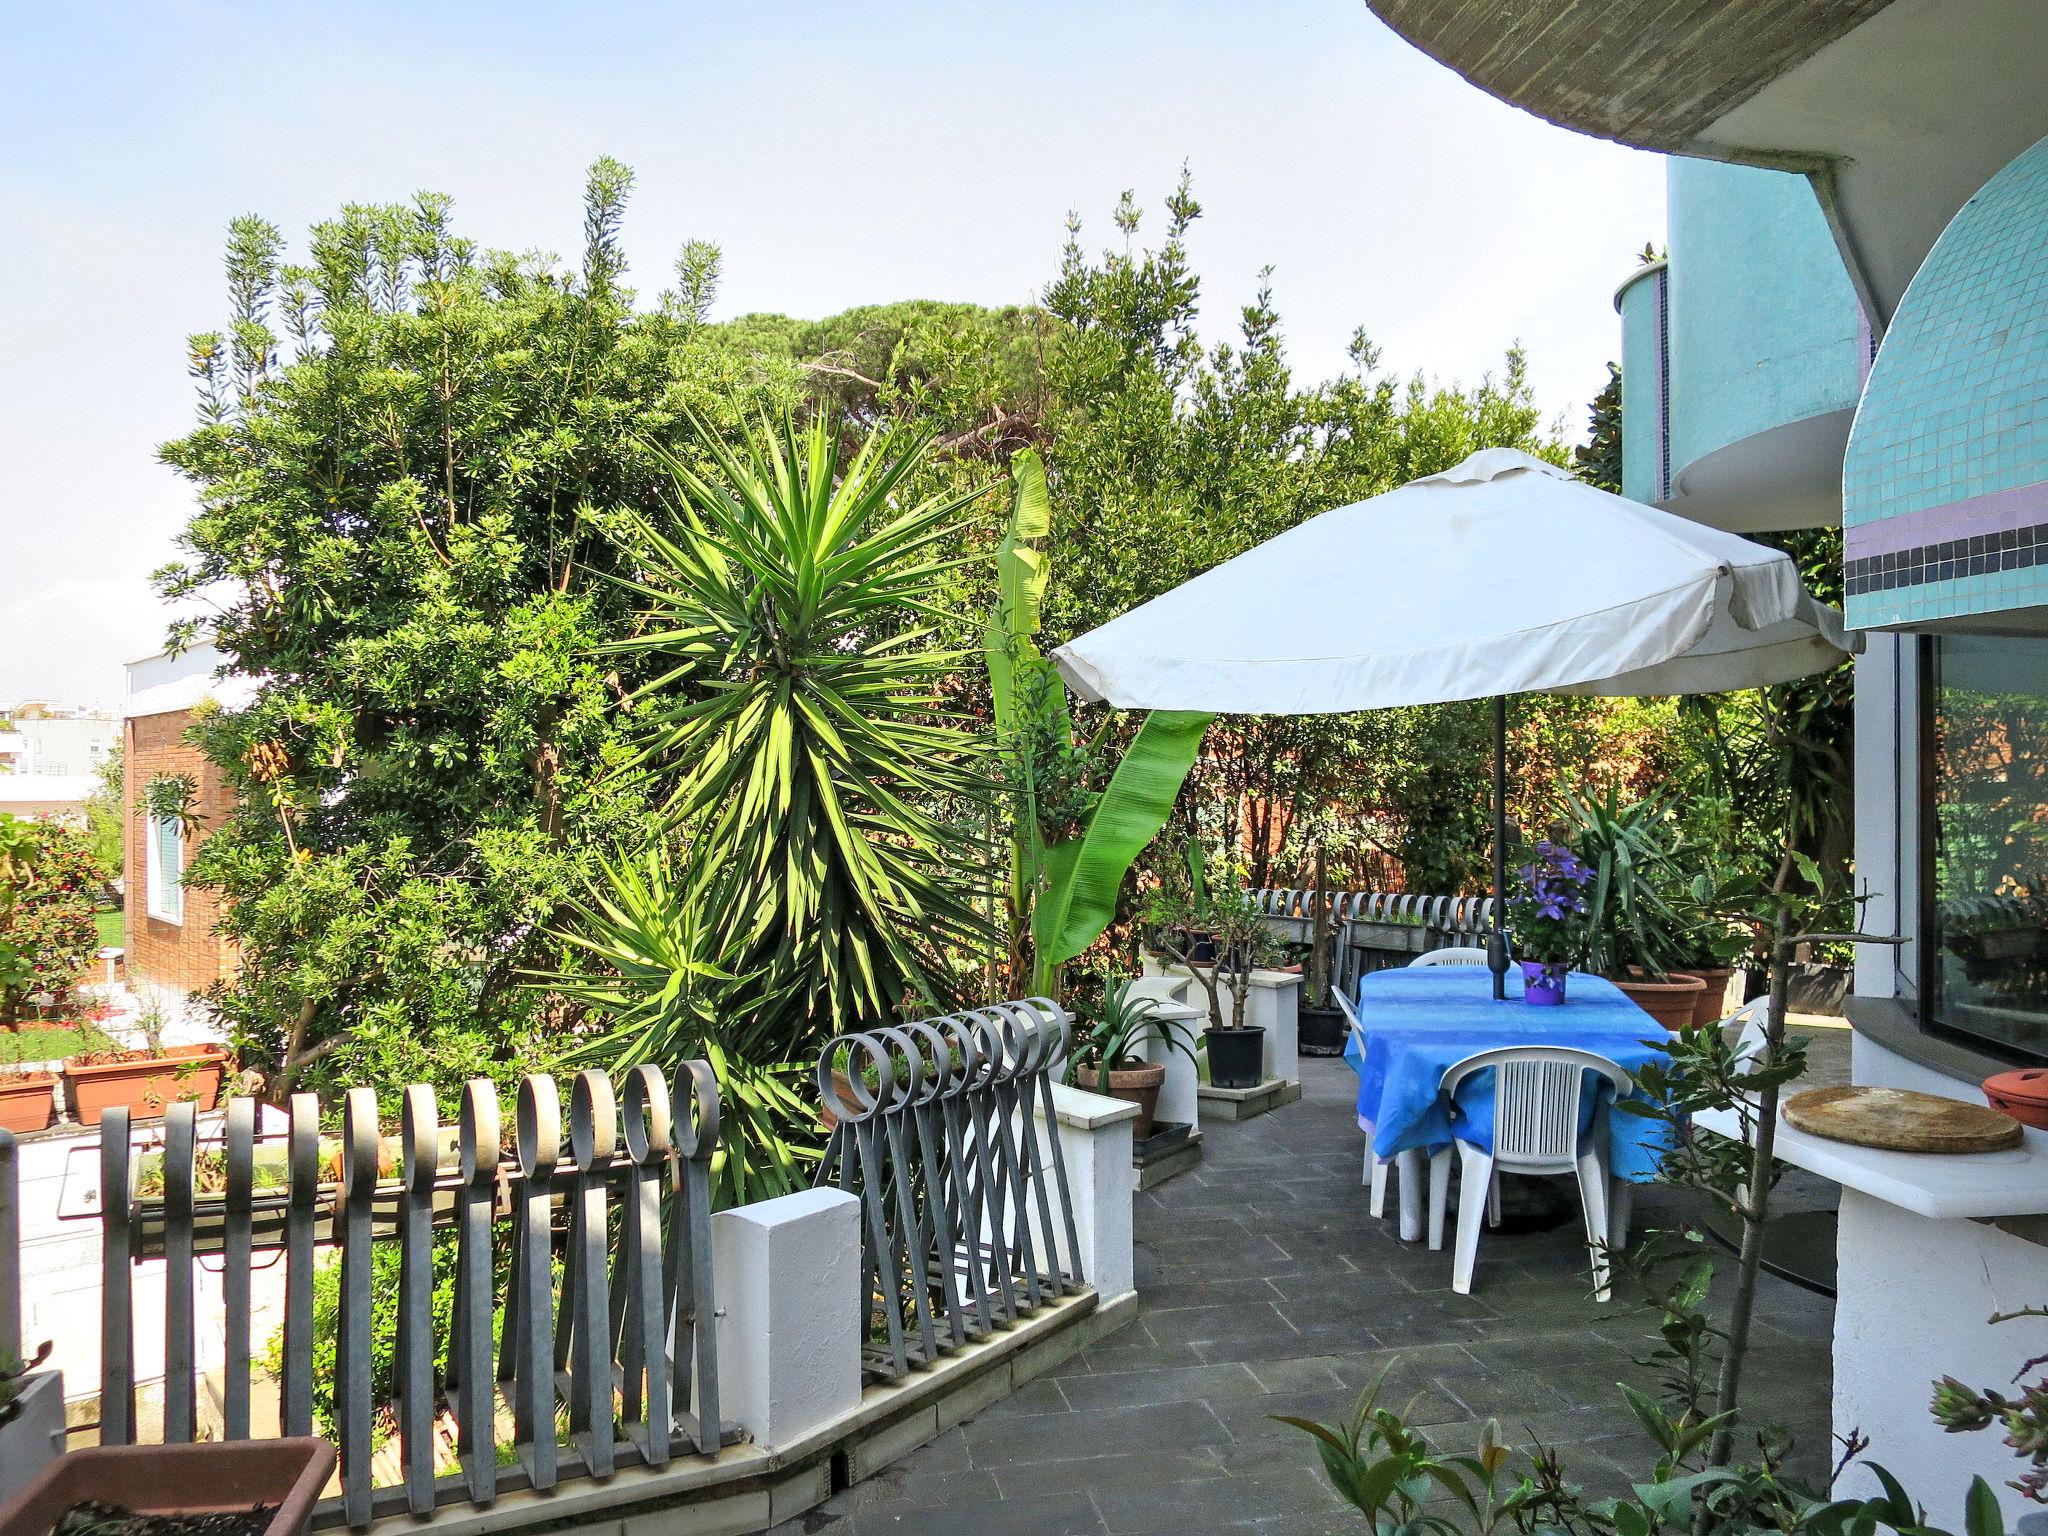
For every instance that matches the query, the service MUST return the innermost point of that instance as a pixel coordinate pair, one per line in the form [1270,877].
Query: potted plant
[145,1080]
[1322,1021]
[1710,939]
[271,1484]
[1109,1047]
[1547,913]
[1240,939]
[28,1101]
[1631,928]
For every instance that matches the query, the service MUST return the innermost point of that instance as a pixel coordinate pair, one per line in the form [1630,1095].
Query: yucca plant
[642,954]
[791,711]
[1628,848]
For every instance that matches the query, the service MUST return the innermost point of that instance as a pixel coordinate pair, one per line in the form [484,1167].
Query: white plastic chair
[1374,1173]
[1535,1130]
[1457,954]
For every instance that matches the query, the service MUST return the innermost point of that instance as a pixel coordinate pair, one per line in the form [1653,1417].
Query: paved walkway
[1265,1288]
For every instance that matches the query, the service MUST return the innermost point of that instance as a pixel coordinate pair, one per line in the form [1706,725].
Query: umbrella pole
[1497,940]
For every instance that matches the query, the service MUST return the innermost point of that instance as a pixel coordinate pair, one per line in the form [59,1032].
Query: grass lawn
[48,1042]
[113,927]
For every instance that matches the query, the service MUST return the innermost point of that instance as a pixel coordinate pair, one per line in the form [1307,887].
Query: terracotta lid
[2027,1085]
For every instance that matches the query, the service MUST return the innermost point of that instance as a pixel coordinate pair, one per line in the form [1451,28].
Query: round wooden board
[1900,1120]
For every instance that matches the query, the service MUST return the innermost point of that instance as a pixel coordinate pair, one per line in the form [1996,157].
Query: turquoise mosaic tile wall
[1764,323]
[1644,401]
[1945,486]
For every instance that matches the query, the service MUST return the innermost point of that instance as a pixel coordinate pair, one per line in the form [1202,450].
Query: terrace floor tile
[1264,1288]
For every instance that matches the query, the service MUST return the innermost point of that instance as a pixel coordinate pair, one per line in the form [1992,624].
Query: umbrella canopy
[1501,575]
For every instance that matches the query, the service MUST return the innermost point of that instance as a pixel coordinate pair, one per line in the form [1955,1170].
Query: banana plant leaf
[1085,873]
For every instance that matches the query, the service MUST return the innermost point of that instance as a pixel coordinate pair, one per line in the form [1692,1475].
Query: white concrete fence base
[787,1275]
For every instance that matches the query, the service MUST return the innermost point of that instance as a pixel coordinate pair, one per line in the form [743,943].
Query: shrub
[47,933]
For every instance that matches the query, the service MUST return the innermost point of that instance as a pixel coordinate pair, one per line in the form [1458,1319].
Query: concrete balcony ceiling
[1904,108]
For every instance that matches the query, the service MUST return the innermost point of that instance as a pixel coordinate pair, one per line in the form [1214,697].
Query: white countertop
[1937,1185]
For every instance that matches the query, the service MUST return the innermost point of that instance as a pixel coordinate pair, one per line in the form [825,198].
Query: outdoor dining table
[1420,1021]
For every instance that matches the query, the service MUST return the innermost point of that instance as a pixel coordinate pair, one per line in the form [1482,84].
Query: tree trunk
[1755,1206]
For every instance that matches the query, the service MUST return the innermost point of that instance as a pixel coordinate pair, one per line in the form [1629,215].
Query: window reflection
[1989,716]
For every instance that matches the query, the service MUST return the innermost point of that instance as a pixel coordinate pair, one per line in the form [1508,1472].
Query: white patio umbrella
[1501,575]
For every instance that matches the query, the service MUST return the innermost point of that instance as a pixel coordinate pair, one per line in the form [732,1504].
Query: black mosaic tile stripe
[2015,549]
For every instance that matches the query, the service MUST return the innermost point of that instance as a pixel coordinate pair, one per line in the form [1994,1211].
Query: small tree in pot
[1229,919]
[1109,1051]
[1322,1021]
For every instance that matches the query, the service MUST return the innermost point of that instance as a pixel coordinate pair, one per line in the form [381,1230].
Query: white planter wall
[1095,1140]
[787,1276]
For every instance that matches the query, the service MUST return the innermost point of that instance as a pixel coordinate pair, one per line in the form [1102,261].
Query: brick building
[171,939]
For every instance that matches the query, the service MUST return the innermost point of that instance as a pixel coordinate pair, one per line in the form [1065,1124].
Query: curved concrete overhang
[1787,477]
[1901,109]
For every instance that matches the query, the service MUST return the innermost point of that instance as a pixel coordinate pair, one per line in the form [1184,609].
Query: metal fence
[580,1331]
[947,1134]
[1373,930]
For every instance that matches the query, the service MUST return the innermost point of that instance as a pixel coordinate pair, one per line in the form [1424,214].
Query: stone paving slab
[1264,1288]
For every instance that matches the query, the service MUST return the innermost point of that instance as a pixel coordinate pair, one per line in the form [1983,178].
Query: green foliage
[644,948]
[1387,1469]
[1085,873]
[382,1345]
[105,825]
[1628,847]
[1597,461]
[1071,848]
[49,888]
[1166,457]
[1186,915]
[793,721]
[409,449]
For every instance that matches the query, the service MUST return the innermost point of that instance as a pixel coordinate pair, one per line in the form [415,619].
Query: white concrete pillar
[1179,1095]
[1274,1003]
[788,1280]
[1095,1140]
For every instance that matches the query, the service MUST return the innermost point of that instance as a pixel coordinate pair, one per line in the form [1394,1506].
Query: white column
[1095,1140]
[1887,829]
[788,1280]
[1912,1298]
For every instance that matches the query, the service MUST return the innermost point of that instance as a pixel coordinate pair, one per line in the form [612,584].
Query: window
[166,853]
[1985,784]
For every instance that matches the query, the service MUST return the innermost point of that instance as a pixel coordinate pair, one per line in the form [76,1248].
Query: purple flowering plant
[1547,908]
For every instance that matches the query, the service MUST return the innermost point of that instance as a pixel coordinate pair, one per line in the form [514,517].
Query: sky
[840,154]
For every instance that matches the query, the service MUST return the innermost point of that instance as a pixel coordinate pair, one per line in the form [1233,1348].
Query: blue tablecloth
[1419,1022]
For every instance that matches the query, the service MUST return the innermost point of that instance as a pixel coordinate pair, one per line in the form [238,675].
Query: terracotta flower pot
[2022,1094]
[1140,1086]
[1671,1002]
[1707,1010]
[28,1101]
[842,1091]
[214,1477]
[146,1085]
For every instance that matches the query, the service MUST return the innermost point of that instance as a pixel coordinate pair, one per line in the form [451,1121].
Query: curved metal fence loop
[694,1115]
[967,1216]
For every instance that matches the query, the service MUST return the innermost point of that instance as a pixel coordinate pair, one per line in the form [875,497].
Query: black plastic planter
[1235,1056]
[1322,1031]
